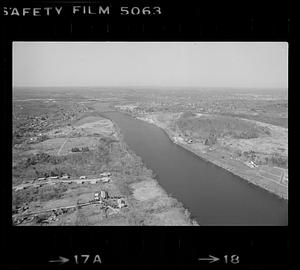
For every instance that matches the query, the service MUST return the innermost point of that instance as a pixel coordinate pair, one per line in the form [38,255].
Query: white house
[105,179]
[105,174]
[103,194]
[121,203]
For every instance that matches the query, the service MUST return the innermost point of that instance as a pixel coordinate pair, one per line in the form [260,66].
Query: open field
[54,146]
[276,142]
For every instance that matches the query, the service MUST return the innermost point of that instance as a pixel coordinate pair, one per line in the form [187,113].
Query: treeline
[278,160]
[211,128]
[83,149]
[41,194]
[42,158]
[20,137]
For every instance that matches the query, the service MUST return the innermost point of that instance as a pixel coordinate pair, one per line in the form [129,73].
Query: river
[213,195]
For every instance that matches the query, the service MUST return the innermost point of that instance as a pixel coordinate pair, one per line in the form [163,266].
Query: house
[96,196]
[93,181]
[121,203]
[105,174]
[253,164]
[32,140]
[249,164]
[103,194]
[105,179]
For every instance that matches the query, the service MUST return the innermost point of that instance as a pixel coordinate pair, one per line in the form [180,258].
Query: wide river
[213,195]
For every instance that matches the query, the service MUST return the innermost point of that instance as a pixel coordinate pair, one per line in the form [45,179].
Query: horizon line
[149,86]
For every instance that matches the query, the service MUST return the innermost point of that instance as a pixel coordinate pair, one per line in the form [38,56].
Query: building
[53,177]
[121,203]
[251,164]
[103,194]
[93,181]
[82,177]
[41,179]
[96,196]
[28,182]
[65,176]
[105,174]
[105,179]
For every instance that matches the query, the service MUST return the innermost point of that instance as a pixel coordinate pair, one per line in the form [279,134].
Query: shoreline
[186,216]
[252,179]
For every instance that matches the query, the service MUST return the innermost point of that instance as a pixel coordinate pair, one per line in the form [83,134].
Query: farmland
[59,153]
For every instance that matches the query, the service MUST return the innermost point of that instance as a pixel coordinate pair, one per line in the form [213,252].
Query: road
[57,181]
[62,146]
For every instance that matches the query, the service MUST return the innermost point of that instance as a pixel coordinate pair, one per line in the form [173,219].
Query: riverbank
[151,204]
[222,159]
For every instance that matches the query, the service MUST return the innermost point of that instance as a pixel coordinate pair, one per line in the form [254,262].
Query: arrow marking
[211,258]
[61,260]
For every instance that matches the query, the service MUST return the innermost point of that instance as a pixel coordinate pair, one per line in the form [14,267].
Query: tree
[211,140]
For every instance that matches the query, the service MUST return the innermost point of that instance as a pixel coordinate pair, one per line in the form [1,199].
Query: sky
[157,64]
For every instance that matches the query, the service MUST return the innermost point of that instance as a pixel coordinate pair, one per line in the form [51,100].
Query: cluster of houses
[19,220]
[21,209]
[114,203]
[65,176]
[102,195]
[54,215]
[105,177]
[251,164]
[43,218]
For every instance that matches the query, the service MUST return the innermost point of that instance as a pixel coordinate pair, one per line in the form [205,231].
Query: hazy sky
[166,64]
